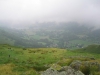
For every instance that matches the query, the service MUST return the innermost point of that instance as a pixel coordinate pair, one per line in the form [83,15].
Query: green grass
[91,49]
[32,60]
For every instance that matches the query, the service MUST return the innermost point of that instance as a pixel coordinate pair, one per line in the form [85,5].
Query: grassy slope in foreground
[29,61]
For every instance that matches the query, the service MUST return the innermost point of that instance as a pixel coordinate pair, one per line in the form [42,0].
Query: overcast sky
[31,11]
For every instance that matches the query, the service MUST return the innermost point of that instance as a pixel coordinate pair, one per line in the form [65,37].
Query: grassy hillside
[20,60]
[64,35]
[30,61]
[91,49]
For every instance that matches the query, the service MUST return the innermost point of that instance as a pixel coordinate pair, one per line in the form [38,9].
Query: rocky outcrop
[75,68]
[76,65]
[66,70]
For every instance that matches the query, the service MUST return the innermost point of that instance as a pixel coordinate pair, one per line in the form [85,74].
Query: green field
[30,61]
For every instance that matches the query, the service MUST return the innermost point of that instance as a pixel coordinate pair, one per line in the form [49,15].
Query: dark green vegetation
[63,35]
[30,61]
[91,49]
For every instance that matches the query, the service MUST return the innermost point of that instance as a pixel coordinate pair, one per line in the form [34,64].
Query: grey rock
[76,64]
[67,70]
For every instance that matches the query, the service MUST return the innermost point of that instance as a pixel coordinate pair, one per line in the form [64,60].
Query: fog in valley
[50,23]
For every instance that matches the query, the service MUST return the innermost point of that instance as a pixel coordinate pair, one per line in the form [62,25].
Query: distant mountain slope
[63,35]
[5,37]
[16,37]
[91,49]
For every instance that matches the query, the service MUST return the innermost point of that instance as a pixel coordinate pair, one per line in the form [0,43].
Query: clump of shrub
[96,73]
[40,68]
[90,68]
[7,69]
[65,62]
[85,69]
[24,49]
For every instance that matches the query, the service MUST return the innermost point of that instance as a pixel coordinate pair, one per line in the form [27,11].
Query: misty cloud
[31,11]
